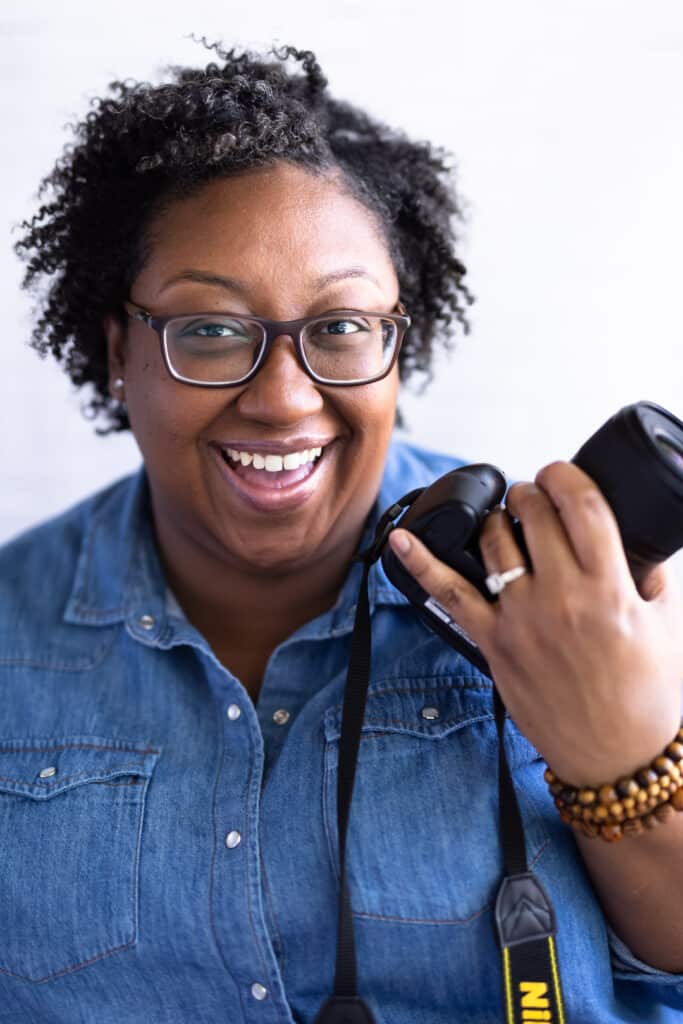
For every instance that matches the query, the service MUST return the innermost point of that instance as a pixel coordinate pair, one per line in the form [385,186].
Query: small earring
[118,383]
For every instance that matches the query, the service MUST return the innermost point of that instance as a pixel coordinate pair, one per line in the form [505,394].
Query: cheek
[169,422]
[372,423]
[372,409]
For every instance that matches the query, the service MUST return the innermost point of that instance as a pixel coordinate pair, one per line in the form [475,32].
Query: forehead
[269,223]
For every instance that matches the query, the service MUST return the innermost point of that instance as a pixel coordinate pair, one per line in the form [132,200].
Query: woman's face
[277,231]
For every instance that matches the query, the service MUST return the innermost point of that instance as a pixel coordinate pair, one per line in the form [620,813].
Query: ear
[116,347]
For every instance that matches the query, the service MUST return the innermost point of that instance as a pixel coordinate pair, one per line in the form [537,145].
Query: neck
[250,610]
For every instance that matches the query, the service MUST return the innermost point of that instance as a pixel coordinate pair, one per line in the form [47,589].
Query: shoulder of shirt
[411,465]
[37,565]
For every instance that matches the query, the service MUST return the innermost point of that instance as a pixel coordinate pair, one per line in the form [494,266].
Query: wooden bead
[664,812]
[566,817]
[549,776]
[555,788]
[677,800]
[654,789]
[629,802]
[587,813]
[601,813]
[664,781]
[675,751]
[587,797]
[675,773]
[576,810]
[611,833]
[558,803]
[662,765]
[633,828]
[627,787]
[607,795]
[631,812]
[616,809]
[646,776]
[641,797]
[569,794]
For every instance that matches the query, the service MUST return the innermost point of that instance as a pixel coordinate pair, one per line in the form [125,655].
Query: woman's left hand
[589,665]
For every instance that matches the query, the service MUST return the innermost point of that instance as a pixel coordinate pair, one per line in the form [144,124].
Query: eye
[212,329]
[343,326]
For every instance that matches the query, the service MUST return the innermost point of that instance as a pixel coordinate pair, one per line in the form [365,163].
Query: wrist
[612,758]
[629,804]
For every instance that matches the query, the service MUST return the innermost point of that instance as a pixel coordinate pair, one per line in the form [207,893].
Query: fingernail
[400,543]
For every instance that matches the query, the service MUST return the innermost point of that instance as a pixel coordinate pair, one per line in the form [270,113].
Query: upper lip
[297,444]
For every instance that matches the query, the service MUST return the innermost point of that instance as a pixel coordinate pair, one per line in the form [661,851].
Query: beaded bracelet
[629,806]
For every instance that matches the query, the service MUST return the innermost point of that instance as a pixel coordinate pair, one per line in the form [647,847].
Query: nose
[281,393]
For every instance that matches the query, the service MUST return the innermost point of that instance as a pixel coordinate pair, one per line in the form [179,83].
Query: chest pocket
[423,840]
[71,814]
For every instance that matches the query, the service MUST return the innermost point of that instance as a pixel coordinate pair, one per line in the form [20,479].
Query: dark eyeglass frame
[272,329]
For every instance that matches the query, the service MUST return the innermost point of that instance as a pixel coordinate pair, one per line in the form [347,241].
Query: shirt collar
[119,575]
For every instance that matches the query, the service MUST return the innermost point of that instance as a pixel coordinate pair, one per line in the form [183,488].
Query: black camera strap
[524,915]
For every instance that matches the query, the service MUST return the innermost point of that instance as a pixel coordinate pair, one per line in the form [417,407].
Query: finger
[661,583]
[453,592]
[499,549]
[588,520]
[549,546]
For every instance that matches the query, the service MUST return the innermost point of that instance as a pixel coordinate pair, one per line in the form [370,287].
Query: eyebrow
[242,288]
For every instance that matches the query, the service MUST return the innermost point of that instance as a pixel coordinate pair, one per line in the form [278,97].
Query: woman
[174,648]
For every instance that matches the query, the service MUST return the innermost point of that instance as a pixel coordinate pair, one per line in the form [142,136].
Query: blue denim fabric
[128,754]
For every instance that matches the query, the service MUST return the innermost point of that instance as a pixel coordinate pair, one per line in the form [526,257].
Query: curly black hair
[146,145]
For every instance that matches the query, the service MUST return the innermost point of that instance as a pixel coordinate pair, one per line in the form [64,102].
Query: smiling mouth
[272,480]
[279,492]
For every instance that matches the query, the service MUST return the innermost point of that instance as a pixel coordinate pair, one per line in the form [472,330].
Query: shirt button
[146,621]
[258,991]
[281,717]
[233,839]
[233,712]
[47,772]
[430,713]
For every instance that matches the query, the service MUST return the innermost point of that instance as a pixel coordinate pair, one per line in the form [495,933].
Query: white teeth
[274,463]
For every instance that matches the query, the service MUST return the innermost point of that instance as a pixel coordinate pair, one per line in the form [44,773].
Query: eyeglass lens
[223,349]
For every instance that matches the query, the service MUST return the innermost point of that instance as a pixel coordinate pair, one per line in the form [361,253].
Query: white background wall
[564,120]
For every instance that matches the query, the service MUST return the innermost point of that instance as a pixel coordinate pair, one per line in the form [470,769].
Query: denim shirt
[169,851]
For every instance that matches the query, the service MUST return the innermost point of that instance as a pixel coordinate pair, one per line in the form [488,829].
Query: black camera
[635,458]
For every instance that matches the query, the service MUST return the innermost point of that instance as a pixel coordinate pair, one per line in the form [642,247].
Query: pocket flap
[432,709]
[429,708]
[41,768]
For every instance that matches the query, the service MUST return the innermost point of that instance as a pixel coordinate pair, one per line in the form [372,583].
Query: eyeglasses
[221,350]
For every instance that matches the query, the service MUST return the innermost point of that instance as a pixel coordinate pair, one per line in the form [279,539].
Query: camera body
[635,458]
